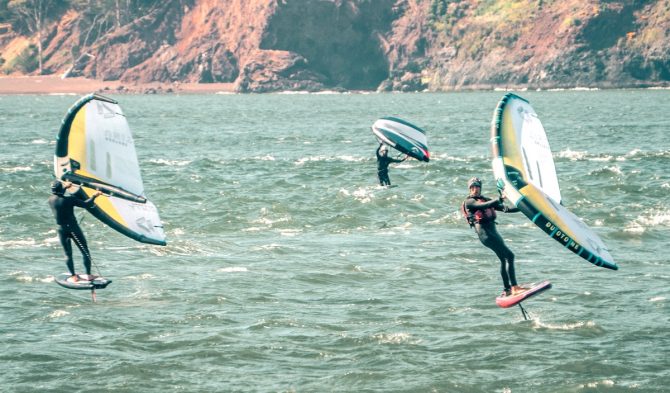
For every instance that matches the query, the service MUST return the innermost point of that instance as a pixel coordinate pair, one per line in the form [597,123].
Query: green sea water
[288,269]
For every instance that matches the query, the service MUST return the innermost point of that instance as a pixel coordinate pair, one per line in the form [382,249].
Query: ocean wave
[293,92]
[24,277]
[233,269]
[303,160]
[449,158]
[290,232]
[396,338]
[330,92]
[140,277]
[597,384]
[267,247]
[181,247]
[162,161]
[17,169]
[572,155]
[58,314]
[349,158]
[576,88]
[564,326]
[21,277]
[614,170]
[635,154]
[14,244]
[361,194]
[650,218]
[265,218]
[320,158]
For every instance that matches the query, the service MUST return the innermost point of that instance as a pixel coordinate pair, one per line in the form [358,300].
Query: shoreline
[54,85]
[51,84]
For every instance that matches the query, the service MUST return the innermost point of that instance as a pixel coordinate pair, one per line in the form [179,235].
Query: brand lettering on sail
[118,138]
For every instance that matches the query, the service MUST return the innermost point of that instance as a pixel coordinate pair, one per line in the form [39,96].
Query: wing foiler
[525,171]
[402,136]
[95,150]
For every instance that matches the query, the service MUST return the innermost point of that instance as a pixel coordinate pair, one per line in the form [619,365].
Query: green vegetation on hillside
[96,18]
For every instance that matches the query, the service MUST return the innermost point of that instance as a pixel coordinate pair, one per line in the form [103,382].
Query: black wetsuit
[485,227]
[63,209]
[383,162]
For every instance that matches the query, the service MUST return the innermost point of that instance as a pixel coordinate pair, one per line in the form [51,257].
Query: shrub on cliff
[26,62]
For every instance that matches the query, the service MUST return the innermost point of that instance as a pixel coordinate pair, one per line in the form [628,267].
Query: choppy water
[287,269]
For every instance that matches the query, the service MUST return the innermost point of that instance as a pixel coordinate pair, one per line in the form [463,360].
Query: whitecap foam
[270,221]
[395,338]
[363,195]
[328,92]
[572,155]
[233,269]
[58,314]
[303,160]
[349,158]
[162,161]
[596,384]
[14,244]
[293,92]
[447,157]
[290,232]
[649,219]
[564,326]
[634,153]
[604,158]
[614,169]
[17,169]
[267,247]
[22,277]
[657,299]
[141,277]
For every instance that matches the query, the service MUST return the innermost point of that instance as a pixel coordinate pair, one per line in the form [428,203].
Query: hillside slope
[389,45]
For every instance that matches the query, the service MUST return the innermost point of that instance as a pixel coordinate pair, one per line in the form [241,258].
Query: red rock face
[341,42]
[260,45]
[399,45]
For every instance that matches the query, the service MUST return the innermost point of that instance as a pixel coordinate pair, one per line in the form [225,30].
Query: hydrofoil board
[83,281]
[533,289]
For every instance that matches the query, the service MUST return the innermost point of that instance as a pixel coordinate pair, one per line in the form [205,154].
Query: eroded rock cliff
[400,45]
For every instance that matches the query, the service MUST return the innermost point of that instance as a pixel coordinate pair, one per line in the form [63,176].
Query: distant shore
[52,84]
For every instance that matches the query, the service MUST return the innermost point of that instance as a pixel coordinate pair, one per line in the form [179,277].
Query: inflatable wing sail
[95,150]
[525,171]
[402,136]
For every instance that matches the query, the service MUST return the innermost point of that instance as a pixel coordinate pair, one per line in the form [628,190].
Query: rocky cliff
[389,45]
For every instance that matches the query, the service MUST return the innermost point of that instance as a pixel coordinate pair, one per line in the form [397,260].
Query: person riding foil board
[383,161]
[480,212]
[63,205]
